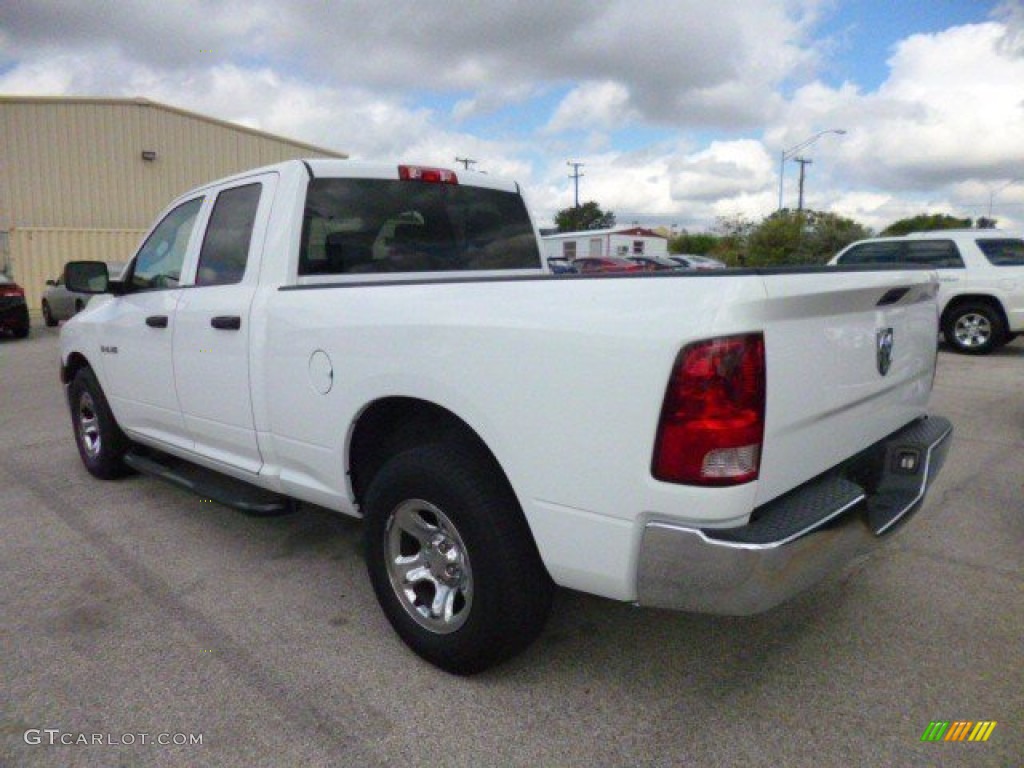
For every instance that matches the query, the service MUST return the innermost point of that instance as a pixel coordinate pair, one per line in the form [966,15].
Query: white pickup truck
[383,341]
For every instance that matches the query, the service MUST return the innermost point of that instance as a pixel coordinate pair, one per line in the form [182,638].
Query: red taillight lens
[712,421]
[432,175]
[11,290]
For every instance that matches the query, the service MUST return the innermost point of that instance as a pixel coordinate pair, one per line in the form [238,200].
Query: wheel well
[959,301]
[395,424]
[75,363]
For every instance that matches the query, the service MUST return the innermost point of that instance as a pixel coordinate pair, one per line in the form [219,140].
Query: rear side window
[354,226]
[938,254]
[1007,252]
[872,253]
[225,249]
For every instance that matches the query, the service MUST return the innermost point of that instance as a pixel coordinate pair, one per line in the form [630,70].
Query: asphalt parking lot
[132,608]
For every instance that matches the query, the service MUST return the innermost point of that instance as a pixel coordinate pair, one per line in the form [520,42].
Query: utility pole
[466,162]
[576,176]
[793,151]
[804,161]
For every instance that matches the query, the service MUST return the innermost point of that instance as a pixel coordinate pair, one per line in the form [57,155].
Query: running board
[210,485]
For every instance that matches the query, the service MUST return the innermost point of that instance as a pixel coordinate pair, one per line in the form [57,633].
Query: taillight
[712,421]
[432,175]
[11,290]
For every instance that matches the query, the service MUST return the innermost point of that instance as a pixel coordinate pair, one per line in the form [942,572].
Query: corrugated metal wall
[78,163]
[74,184]
[38,255]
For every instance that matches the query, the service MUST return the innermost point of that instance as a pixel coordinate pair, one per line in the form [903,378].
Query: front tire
[48,317]
[101,443]
[451,558]
[973,328]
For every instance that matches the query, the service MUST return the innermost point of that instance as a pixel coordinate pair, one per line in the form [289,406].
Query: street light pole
[792,152]
[992,194]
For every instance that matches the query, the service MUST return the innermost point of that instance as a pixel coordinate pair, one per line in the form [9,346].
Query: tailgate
[850,358]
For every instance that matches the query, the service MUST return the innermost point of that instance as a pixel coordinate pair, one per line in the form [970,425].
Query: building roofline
[144,102]
[637,231]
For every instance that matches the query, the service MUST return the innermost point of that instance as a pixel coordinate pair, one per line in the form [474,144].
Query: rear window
[354,226]
[1007,252]
[938,254]
[872,253]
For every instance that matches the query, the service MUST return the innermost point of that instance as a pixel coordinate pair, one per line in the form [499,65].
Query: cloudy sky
[679,109]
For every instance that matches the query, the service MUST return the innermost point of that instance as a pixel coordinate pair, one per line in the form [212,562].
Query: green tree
[924,222]
[588,216]
[699,243]
[801,237]
[731,235]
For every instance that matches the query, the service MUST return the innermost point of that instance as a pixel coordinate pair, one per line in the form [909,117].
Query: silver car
[61,304]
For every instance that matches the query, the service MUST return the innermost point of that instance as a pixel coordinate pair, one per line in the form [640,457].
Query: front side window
[1003,252]
[353,226]
[158,263]
[872,253]
[937,254]
[225,250]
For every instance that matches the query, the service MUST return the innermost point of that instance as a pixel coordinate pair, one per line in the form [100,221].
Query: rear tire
[973,328]
[101,443]
[451,558]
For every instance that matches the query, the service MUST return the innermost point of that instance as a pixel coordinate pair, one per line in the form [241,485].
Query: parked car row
[598,264]
[58,303]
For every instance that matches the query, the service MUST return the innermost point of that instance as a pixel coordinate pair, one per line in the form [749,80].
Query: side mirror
[51,282]
[86,277]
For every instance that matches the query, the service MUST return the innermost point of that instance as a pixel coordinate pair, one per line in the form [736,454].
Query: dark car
[654,263]
[692,261]
[592,264]
[561,266]
[13,309]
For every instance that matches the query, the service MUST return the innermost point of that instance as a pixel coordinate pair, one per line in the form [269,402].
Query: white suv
[981,280]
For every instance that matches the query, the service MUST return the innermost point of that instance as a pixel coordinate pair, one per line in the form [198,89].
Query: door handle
[157,321]
[226,322]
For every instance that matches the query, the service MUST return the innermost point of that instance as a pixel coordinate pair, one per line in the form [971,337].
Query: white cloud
[593,105]
[723,170]
[706,81]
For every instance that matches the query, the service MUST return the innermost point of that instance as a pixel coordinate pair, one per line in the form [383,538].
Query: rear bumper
[14,316]
[796,540]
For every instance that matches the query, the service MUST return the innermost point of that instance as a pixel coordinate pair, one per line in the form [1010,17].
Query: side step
[211,485]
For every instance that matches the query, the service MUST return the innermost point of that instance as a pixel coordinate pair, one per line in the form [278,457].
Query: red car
[13,309]
[592,264]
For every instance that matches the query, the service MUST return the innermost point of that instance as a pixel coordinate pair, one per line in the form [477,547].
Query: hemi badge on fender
[108,350]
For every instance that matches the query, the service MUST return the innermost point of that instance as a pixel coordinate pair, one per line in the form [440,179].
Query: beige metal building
[84,178]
